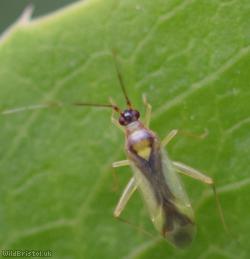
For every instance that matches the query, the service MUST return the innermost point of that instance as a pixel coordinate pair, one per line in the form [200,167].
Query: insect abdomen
[178,228]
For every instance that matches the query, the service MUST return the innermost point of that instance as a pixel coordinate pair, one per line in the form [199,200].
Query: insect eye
[136,114]
[122,121]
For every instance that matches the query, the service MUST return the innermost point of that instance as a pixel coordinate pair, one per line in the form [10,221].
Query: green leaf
[57,189]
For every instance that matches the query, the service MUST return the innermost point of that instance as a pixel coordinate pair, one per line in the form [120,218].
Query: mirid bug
[154,174]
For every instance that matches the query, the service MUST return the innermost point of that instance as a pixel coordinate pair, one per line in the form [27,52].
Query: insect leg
[130,188]
[118,164]
[148,110]
[174,132]
[115,122]
[126,195]
[121,163]
[189,171]
[169,137]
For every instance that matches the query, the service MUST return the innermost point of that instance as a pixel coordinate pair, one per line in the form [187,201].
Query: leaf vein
[237,126]
[35,114]
[203,82]
[37,230]
[159,21]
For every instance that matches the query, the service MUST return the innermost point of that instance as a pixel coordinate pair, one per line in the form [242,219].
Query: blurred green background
[11,10]
[191,58]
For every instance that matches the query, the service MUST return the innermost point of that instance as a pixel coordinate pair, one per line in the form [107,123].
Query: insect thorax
[139,140]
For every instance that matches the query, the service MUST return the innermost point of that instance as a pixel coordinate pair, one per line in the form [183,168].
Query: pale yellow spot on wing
[143,149]
[145,153]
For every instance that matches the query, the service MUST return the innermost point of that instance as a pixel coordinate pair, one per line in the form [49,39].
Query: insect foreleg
[148,111]
[115,122]
[189,171]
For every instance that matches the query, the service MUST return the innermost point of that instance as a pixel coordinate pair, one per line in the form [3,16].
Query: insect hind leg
[191,172]
[125,197]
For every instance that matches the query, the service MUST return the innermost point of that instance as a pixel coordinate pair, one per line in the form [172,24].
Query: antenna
[44,105]
[121,79]
[114,107]
[56,104]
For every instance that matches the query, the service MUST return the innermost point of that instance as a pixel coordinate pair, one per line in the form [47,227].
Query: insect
[154,174]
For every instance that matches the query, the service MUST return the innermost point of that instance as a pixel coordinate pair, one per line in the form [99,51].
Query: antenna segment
[114,107]
[119,75]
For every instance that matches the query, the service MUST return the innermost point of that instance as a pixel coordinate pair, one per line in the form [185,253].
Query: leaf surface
[191,58]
